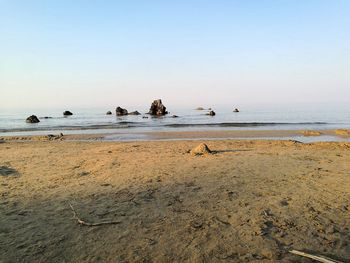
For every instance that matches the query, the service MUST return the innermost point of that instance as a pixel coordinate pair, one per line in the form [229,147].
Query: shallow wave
[75,127]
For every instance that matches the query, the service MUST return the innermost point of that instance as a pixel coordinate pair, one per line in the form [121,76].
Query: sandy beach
[249,201]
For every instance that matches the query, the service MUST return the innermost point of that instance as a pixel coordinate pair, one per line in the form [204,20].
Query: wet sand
[248,134]
[321,135]
[251,201]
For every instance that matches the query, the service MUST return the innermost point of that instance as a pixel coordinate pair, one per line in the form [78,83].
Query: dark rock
[67,113]
[109,113]
[8,171]
[236,110]
[32,119]
[144,117]
[121,112]
[54,137]
[134,113]
[46,117]
[211,113]
[175,116]
[157,108]
[84,173]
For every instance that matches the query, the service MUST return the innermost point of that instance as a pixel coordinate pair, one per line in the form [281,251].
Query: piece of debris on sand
[201,149]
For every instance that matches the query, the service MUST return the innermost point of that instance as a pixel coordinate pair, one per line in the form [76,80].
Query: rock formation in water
[236,110]
[211,113]
[67,113]
[121,112]
[32,119]
[109,113]
[134,113]
[157,108]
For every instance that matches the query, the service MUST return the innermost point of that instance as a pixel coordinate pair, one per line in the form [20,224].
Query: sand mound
[342,132]
[312,133]
[201,150]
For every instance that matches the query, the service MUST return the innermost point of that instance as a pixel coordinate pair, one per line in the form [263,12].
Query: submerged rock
[157,108]
[32,119]
[236,110]
[211,113]
[121,112]
[200,108]
[134,113]
[175,116]
[109,113]
[67,113]
[201,149]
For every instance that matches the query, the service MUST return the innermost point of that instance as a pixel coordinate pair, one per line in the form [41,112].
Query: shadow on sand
[230,151]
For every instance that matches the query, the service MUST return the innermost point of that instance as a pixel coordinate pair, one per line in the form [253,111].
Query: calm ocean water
[12,122]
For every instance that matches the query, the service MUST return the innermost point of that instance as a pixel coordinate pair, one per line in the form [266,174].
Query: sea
[95,121]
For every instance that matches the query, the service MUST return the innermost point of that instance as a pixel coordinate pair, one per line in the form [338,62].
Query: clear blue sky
[191,53]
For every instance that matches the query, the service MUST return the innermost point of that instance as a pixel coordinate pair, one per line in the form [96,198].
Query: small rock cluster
[123,112]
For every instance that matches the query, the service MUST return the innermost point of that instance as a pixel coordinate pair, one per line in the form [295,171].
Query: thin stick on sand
[84,223]
[316,258]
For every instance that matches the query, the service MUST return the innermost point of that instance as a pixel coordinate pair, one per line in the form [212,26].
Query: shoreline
[337,135]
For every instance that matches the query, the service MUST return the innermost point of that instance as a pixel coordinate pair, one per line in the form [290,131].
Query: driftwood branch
[84,223]
[314,257]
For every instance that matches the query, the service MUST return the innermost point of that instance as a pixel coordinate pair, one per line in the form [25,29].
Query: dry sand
[250,201]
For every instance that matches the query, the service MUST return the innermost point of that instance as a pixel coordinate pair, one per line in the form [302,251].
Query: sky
[189,53]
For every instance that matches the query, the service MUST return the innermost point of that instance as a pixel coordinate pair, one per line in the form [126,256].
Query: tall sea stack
[157,108]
